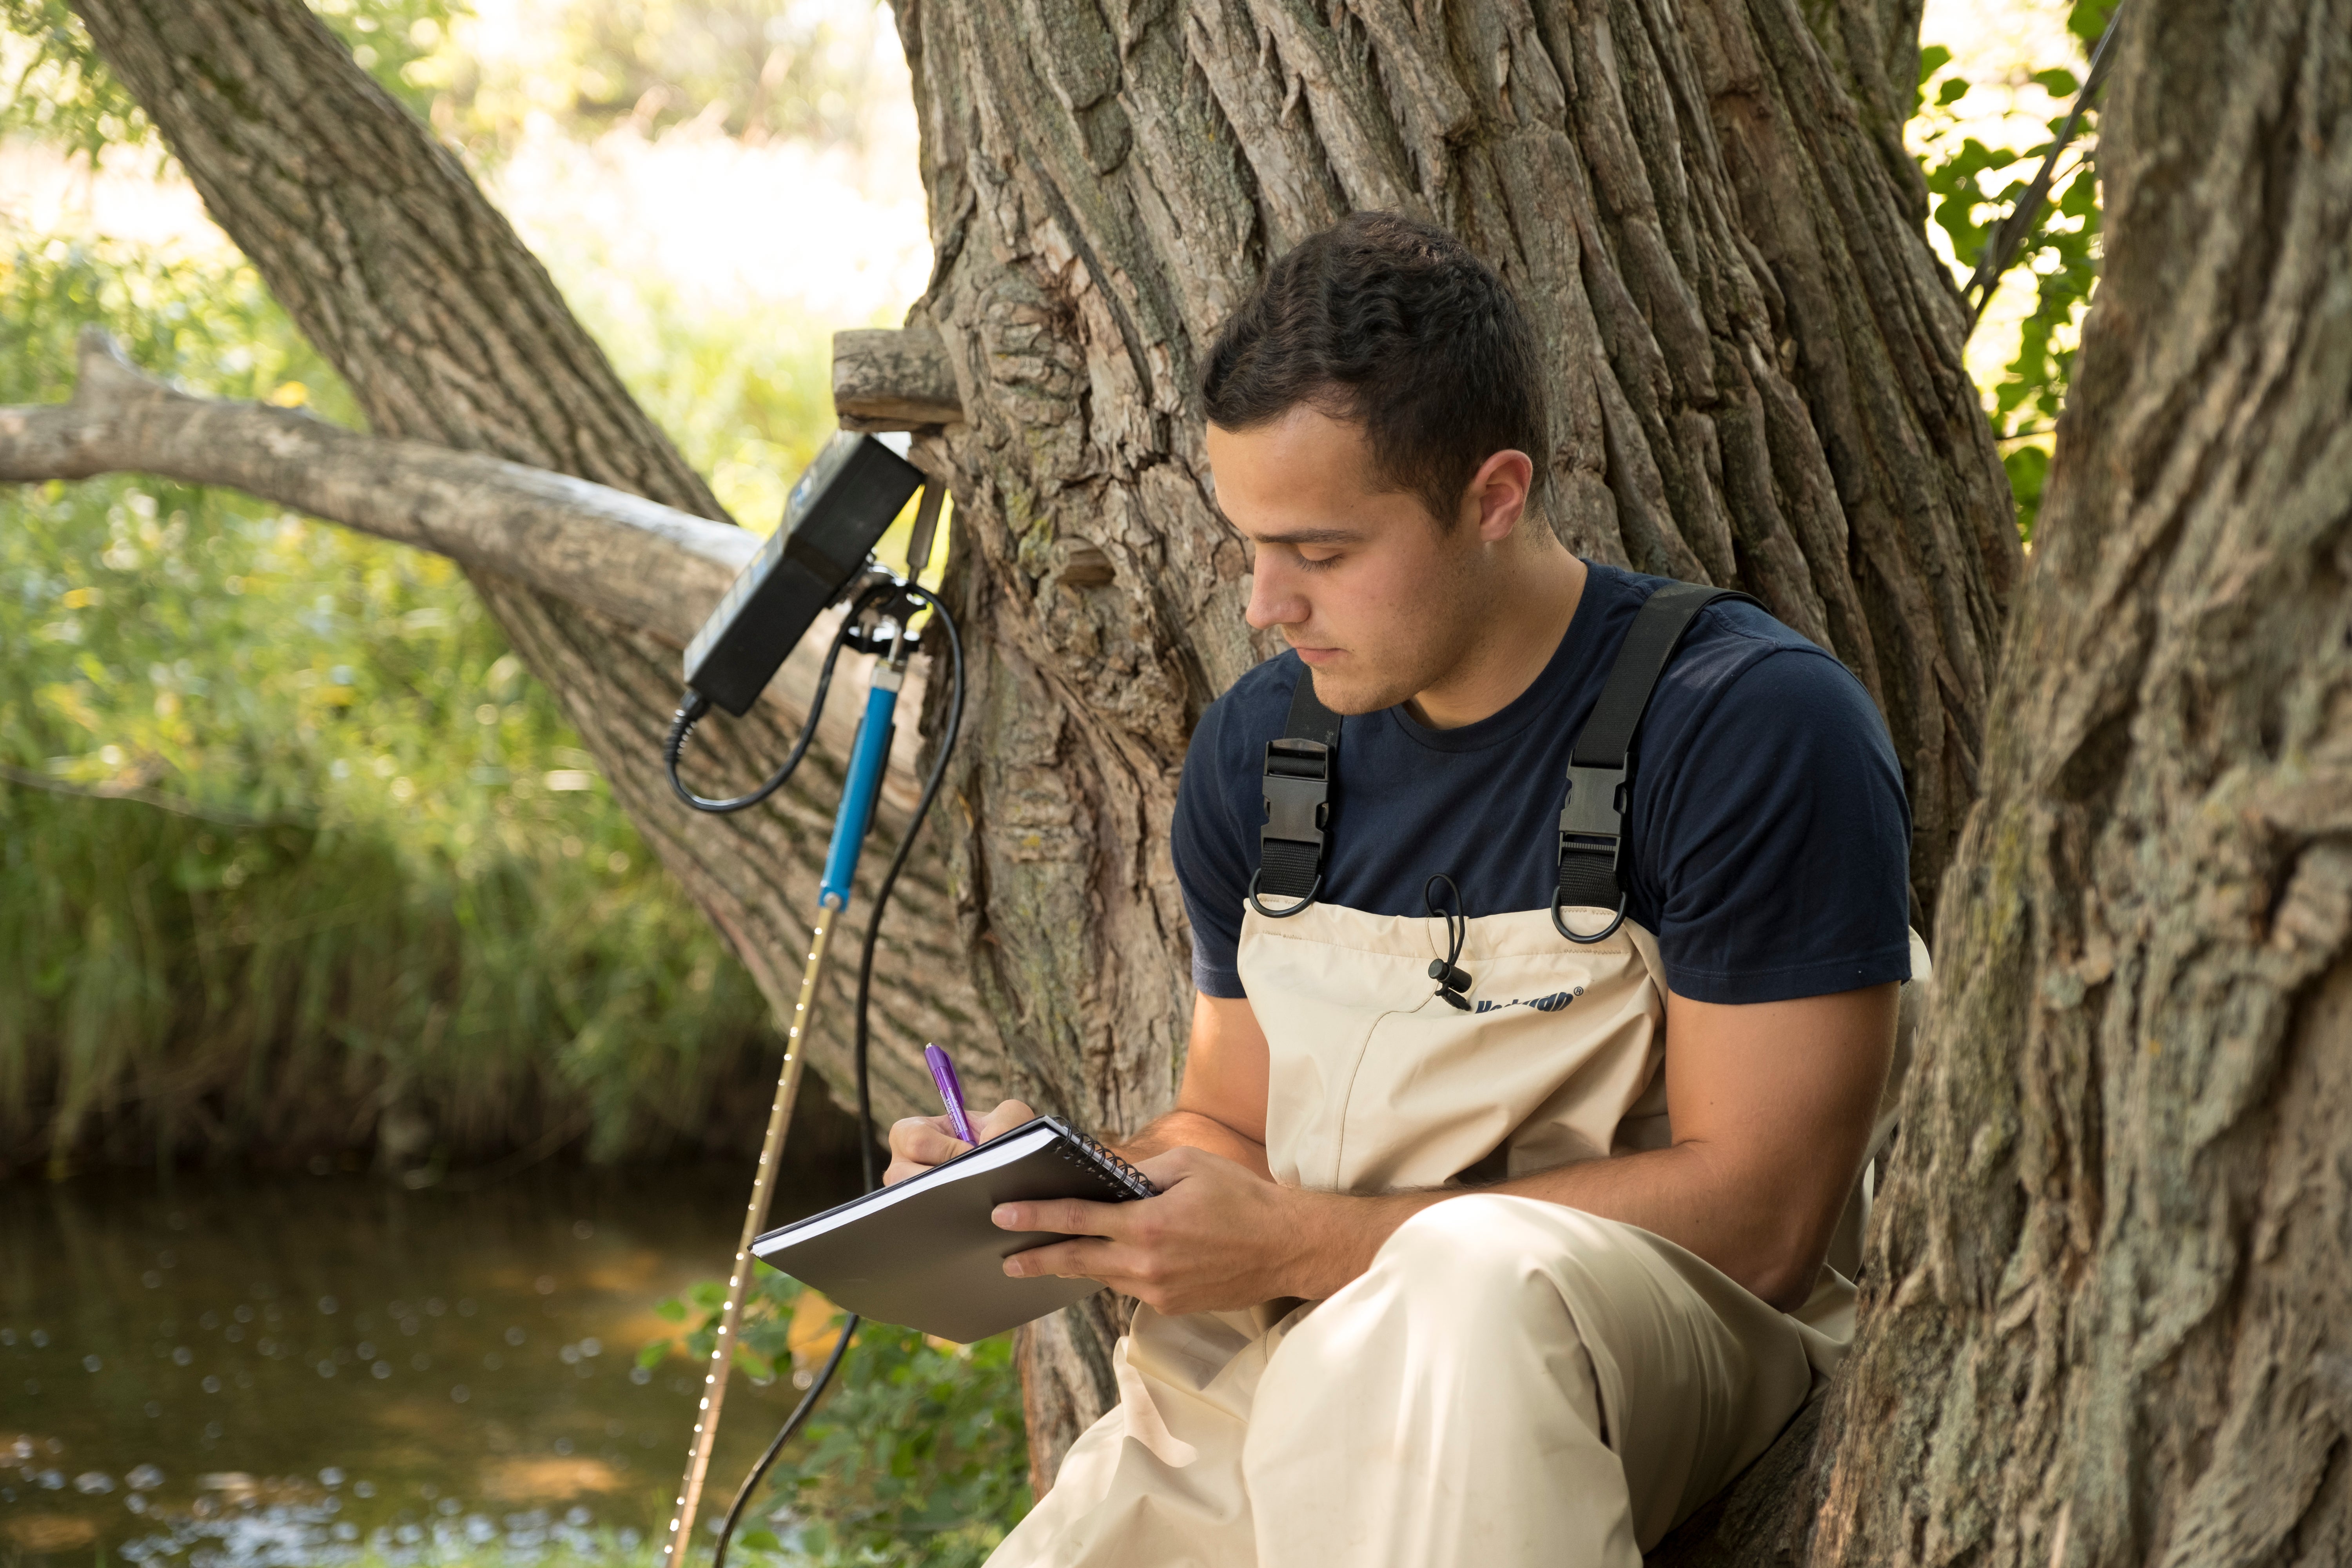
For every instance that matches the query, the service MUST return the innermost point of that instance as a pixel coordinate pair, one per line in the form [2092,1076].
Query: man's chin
[1347,692]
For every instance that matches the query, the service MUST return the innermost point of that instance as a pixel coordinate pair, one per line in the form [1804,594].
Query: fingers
[918,1142]
[1166,1169]
[1090,1259]
[1068,1216]
[1002,1119]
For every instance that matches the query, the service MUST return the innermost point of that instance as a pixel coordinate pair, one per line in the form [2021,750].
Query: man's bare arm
[1221,1105]
[1772,1104]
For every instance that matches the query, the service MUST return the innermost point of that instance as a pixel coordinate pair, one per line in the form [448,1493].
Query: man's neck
[1522,629]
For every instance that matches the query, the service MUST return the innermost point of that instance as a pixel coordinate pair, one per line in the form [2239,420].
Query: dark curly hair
[1393,325]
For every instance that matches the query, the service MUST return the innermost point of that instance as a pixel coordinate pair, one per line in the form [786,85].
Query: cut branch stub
[892,380]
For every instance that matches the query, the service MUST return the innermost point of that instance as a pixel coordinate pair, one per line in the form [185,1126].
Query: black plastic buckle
[1297,791]
[1592,823]
[1297,785]
[1592,817]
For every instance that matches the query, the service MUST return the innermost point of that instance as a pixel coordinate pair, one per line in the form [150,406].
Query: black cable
[898,864]
[697,705]
[931,783]
[791,1424]
[1451,982]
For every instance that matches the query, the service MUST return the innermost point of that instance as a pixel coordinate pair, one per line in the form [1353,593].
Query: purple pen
[943,1073]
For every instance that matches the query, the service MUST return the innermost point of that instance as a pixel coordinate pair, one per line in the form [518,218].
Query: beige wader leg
[1483,1396]
[1158,1480]
[1478,1399]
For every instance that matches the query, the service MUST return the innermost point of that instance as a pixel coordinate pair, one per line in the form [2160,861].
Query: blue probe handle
[869,756]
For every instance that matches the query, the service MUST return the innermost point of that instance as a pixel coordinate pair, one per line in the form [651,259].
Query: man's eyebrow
[1309,536]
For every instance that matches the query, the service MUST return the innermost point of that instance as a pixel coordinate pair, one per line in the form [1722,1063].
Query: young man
[1440,1285]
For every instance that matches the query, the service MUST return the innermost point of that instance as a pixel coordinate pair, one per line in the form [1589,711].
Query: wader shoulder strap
[1298,769]
[1592,815]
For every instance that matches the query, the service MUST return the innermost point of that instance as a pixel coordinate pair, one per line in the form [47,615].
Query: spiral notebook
[923,1254]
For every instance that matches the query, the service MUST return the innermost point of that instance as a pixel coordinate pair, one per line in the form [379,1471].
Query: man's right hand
[920,1143]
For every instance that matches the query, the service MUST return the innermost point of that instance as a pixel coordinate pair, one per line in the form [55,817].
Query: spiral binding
[1110,1165]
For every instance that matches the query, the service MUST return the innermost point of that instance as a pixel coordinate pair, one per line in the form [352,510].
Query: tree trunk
[2106,1318]
[448,329]
[1758,382]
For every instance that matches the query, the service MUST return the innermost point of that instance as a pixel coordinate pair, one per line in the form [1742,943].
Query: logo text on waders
[1551,1004]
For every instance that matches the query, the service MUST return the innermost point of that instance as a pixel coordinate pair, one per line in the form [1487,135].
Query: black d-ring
[1285,914]
[1603,934]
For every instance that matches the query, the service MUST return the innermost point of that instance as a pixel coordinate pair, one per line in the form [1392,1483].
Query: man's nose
[1273,602]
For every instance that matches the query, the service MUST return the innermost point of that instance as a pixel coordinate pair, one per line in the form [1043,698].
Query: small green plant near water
[916,1455]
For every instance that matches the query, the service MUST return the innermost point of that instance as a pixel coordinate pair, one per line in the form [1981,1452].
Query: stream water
[309,1370]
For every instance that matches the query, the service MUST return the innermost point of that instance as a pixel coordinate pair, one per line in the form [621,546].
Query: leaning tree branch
[644,564]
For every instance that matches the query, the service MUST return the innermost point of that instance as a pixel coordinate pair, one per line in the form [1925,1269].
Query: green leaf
[1932,59]
[2088,19]
[2029,472]
[1951,92]
[760,1541]
[654,1354]
[672,1309]
[2058,81]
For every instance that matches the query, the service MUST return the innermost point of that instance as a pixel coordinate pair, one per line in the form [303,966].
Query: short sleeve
[1210,850]
[1779,860]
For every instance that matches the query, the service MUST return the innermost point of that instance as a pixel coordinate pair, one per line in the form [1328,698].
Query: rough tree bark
[1758,380]
[448,329]
[2105,1318]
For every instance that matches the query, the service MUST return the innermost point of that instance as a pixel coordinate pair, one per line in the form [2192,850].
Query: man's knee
[1488,1255]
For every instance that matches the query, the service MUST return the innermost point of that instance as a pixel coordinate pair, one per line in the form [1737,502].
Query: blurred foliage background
[297,863]
[284,827]
[1980,130]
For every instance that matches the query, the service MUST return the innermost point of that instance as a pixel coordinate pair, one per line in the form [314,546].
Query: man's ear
[1497,495]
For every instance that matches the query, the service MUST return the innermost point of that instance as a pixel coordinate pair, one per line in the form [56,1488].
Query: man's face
[1379,599]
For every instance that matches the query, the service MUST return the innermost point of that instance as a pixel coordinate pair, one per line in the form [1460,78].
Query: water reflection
[305,1370]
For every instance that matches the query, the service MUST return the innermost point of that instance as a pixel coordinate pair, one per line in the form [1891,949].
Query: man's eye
[1316,563]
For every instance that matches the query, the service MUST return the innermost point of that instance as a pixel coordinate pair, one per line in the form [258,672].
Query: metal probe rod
[869,756]
[755,1220]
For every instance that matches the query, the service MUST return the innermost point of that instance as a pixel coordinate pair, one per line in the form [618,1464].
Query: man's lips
[1318,655]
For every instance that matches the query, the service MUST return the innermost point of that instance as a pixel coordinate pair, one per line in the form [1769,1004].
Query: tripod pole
[869,754]
[755,1220]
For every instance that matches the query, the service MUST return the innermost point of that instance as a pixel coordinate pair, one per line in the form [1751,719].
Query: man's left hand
[1218,1237]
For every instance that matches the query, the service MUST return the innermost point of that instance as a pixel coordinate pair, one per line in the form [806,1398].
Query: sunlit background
[342,1013]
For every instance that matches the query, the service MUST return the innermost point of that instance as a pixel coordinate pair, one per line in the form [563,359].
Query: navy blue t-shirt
[1768,832]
